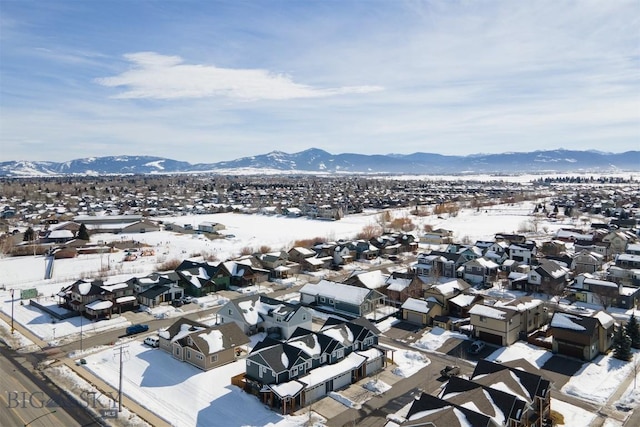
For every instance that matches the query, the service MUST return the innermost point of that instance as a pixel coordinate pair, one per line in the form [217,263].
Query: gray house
[290,374]
[350,300]
[256,313]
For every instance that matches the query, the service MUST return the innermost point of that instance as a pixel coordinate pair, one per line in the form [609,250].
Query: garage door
[342,380]
[490,338]
[314,393]
[414,317]
[570,350]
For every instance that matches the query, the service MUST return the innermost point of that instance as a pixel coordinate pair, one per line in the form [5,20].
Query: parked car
[177,303]
[450,371]
[187,299]
[152,341]
[476,347]
[137,328]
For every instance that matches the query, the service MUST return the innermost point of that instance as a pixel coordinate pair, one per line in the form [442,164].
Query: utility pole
[12,328]
[81,316]
[120,350]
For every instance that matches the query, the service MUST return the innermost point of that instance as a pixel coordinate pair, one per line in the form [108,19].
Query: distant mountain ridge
[319,161]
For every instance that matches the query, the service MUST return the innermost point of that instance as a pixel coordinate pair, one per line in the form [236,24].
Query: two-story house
[257,313]
[581,336]
[346,299]
[202,346]
[496,324]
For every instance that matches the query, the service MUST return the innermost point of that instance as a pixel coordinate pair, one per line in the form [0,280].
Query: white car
[152,341]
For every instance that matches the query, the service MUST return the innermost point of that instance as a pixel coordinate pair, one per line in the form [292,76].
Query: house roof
[517,381]
[492,402]
[432,409]
[579,324]
[338,291]
[419,305]
[257,308]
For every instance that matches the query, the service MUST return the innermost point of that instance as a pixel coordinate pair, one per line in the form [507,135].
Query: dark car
[476,347]
[136,329]
[177,303]
[450,371]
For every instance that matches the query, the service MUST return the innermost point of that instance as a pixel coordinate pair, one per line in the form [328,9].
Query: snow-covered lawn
[408,362]
[520,350]
[183,394]
[598,380]
[573,415]
[434,339]
[386,324]
[376,386]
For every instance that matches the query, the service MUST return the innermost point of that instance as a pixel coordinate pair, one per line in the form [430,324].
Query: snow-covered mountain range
[318,161]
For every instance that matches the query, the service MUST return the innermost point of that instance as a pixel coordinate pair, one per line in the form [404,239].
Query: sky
[209,81]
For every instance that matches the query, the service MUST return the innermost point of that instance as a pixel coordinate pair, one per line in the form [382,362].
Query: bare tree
[605,295]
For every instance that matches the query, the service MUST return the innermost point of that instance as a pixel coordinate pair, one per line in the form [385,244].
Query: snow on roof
[422,414]
[490,312]
[417,305]
[214,340]
[304,251]
[605,319]
[337,291]
[186,329]
[324,373]
[463,300]
[114,286]
[600,283]
[340,333]
[164,333]
[60,234]
[284,359]
[373,279]
[302,345]
[487,263]
[128,298]
[249,312]
[99,305]
[288,389]
[84,288]
[397,284]
[565,321]
[449,288]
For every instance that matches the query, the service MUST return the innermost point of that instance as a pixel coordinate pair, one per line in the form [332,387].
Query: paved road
[28,399]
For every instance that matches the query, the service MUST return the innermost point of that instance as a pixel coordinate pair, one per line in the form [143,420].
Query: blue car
[136,329]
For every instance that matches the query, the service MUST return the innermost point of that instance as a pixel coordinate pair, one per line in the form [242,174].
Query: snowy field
[186,396]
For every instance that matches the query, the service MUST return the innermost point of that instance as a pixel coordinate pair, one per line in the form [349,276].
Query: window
[483,319]
[230,312]
[188,354]
[177,350]
[214,359]
[322,299]
[199,356]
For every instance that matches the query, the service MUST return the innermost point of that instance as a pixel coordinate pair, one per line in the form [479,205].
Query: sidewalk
[103,387]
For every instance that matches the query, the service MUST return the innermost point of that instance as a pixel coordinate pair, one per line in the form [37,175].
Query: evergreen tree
[83,233]
[621,345]
[632,329]
[29,235]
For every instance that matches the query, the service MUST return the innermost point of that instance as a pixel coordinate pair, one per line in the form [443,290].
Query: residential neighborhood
[301,328]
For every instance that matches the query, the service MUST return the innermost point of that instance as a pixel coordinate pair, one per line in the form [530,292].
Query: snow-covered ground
[573,415]
[186,396]
[598,380]
[434,339]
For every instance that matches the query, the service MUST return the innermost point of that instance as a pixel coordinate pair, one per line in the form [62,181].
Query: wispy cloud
[168,77]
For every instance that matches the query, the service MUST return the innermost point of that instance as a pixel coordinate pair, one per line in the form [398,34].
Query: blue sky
[207,81]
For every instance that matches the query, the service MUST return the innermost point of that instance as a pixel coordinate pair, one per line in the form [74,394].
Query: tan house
[499,325]
[580,336]
[443,292]
[618,241]
[420,312]
[203,346]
